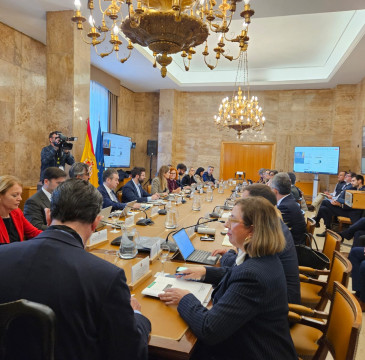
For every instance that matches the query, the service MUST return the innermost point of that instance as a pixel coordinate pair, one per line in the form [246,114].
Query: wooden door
[246,157]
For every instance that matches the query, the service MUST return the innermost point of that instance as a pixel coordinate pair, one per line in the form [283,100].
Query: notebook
[189,253]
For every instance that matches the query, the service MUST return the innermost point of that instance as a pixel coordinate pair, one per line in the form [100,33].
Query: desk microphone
[143,222]
[163,211]
[188,227]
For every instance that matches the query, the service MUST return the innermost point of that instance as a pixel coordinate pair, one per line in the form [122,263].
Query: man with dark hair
[289,208]
[296,192]
[344,178]
[288,256]
[54,156]
[80,171]
[338,207]
[96,316]
[208,175]
[35,205]
[181,170]
[107,190]
[133,190]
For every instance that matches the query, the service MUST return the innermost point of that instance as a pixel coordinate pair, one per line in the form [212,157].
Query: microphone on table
[188,227]
[143,222]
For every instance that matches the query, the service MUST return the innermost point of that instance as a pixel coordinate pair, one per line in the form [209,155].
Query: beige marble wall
[22,104]
[138,115]
[68,79]
[294,118]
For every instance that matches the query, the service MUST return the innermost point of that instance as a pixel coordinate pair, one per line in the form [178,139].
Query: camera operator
[57,154]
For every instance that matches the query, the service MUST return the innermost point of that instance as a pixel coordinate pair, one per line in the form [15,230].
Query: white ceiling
[294,44]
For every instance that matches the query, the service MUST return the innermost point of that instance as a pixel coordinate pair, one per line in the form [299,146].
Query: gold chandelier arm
[84,39]
[211,67]
[187,67]
[102,55]
[130,48]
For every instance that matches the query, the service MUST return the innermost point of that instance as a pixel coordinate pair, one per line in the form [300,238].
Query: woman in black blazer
[249,317]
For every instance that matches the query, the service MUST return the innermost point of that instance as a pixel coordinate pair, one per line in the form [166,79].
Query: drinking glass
[163,256]
[115,219]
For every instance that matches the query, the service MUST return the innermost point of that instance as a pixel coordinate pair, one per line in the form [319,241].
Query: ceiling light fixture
[166,27]
[240,113]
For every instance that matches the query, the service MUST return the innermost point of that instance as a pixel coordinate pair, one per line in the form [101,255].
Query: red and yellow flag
[88,157]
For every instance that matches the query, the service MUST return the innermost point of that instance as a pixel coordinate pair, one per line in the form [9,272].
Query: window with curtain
[99,109]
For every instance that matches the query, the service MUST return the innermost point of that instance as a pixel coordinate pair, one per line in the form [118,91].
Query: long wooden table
[170,336]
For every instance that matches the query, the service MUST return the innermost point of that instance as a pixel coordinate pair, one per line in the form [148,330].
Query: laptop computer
[128,207]
[105,213]
[189,253]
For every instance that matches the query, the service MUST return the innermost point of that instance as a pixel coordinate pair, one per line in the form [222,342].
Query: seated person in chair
[96,317]
[133,190]
[289,208]
[337,207]
[35,205]
[107,190]
[14,226]
[80,171]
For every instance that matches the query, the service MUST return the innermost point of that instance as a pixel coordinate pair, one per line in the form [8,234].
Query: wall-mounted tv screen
[316,159]
[117,150]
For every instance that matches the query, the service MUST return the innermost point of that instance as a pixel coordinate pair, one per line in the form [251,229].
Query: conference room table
[170,337]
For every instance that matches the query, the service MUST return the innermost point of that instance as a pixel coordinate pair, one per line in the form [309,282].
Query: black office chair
[42,315]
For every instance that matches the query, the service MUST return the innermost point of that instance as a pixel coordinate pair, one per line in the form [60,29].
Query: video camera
[63,141]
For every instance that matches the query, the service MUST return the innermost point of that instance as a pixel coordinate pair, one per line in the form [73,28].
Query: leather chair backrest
[343,326]
[332,242]
[340,271]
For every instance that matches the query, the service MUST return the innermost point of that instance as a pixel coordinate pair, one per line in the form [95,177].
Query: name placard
[154,211]
[155,248]
[129,221]
[140,269]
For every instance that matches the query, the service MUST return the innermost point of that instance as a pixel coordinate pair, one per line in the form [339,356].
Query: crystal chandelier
[241,113]
[166,27]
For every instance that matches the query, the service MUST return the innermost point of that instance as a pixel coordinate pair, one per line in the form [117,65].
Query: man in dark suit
[35,205]
[96,318]
[337,207]
[289,208]
[132,190]
[107,190]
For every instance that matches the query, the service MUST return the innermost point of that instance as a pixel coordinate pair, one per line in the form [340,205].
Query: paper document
[226,241]
[200,290]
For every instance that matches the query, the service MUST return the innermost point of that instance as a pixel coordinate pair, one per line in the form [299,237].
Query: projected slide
[117,150]
[321,160]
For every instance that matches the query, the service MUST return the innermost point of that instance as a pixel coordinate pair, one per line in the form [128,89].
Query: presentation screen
[117,150]
[316,159]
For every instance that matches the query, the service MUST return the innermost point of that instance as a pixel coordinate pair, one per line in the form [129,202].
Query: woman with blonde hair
[13,225]
[249,316]
[172,183]
[159,183]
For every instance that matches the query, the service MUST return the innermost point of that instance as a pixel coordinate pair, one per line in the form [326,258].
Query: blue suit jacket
[107,201]
[249,317]
[129,193]
[289,260]
[90,297]
[293,218]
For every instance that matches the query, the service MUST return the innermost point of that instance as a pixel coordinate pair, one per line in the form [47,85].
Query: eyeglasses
[231,219]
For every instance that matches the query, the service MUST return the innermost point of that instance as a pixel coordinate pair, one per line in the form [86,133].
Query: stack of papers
[200,290]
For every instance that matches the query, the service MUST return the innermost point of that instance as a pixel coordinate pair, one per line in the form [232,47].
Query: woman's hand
[219,252]
[173,296]
[176,191]
[194,273]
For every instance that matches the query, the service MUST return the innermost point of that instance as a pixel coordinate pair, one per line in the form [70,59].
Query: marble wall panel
[7,114]
[33,55]
[8,164]
[9,81]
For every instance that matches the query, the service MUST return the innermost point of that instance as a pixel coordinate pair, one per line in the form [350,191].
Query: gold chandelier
[166,27]
[241,113]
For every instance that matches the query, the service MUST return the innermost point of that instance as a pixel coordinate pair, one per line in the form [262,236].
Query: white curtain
[99,109]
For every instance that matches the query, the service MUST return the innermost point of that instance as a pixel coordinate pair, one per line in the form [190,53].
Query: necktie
[114,196]
[139,190]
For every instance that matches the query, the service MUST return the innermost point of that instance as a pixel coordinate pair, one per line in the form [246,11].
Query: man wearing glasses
[80,171]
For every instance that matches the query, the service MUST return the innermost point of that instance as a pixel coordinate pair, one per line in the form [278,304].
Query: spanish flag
[88,157]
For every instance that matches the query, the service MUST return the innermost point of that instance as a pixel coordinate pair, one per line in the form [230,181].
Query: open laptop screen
[183,242]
